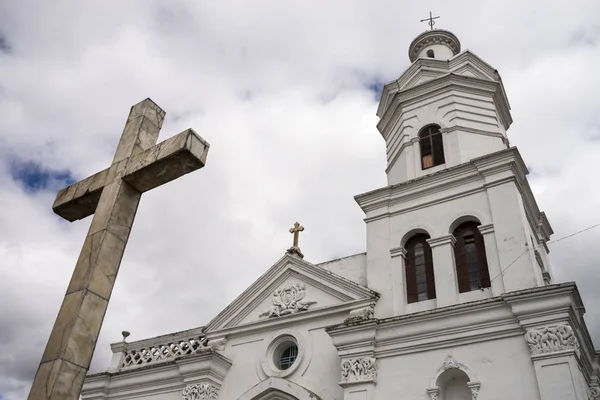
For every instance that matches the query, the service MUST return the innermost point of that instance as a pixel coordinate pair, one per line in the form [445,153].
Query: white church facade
[453,299]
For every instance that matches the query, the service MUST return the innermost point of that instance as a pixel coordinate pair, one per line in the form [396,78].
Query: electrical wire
[547,244]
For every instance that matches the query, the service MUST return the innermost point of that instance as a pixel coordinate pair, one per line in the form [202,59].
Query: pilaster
[398,255]
[359,377]
[444,269]
[491,252]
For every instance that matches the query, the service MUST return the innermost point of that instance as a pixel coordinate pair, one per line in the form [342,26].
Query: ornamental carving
[359,369]
[433,393]
[364,314]
[594,393]
[450,362]
[550,339]
[288,300]
[200,391]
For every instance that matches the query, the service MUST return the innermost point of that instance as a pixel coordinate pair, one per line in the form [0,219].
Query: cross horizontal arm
[162,163]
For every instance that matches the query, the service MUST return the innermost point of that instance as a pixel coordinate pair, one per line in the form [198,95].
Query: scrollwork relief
[594,393]
[288,300]
[359,369]
[450,362]
[550,339]
[200,391]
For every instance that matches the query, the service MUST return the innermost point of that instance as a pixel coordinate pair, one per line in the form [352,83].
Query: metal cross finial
[431,18]
[296,230]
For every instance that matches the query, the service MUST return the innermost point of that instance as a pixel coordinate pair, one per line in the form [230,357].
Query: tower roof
[433,37]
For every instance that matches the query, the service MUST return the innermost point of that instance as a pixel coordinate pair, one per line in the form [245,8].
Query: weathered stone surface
[63,326]
[98,264]
[58,380]
[177,156]
[86,329]
[141,130]
[112,195]
[108,262]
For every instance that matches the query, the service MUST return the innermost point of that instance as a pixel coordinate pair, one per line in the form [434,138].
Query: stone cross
[112,196]
[296,231]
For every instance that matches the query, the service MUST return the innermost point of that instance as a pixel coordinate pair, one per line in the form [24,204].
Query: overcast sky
[285,92]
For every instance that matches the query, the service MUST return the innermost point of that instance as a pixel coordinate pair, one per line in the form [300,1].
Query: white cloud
[279,90]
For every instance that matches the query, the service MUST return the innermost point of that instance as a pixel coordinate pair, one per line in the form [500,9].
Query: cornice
[442,240]
[435,36]
[267,324]
[474,168]
[448,81]
[510,314]
[249,296]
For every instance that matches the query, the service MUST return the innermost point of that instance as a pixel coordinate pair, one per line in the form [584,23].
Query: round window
[288,356]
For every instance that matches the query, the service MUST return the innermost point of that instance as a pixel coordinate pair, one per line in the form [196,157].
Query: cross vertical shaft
[296,231]
[112,196]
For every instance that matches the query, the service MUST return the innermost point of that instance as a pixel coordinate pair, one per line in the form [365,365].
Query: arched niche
[453,377]
[278,389]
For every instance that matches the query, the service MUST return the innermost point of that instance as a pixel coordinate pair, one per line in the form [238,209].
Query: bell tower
[447,108]
[458,221]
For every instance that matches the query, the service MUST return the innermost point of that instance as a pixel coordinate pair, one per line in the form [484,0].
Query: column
[493,261]
[444,269]
[555,353]
[413,163]
[119,349]
[398,264]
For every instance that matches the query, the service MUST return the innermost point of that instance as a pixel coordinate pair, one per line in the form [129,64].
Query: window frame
[470,274]
[431,143]
[414,291]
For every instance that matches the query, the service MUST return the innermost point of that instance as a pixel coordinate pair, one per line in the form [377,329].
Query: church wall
[503,367]
[318,366]
[379,270]
[351,267]
[435,214]
[470,144]
[441,52]
[467,114]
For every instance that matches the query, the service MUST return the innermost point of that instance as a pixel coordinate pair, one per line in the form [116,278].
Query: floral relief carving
[594,393]
[359,369]
[550,339]
[288,300]
[450,362]
[200,391]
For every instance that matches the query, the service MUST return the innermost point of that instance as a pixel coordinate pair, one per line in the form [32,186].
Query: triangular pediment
[290,287]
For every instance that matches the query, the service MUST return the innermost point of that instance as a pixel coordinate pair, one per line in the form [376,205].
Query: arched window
[469,253]
[432,146]
[420,284]
[430,53]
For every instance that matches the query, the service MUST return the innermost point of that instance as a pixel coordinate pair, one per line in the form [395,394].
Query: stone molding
[442,240]
[594,393]
[287,299]
[200,391]
[361,369]
[398,252]
[361,315]
[451,363]
[485,229]
[551,339]
[435,36]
